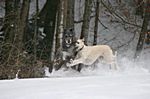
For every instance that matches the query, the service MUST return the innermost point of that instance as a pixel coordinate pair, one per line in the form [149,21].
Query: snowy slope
[111,86]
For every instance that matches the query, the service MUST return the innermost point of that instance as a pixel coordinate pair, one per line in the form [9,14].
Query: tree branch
[113,12]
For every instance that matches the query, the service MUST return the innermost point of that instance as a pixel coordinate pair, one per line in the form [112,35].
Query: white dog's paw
[68,64]
[71,61]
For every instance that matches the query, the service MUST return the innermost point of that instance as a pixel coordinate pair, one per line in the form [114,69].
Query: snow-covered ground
[131,83]
[93,87]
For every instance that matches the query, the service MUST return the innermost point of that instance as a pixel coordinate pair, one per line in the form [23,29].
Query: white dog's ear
[83,39]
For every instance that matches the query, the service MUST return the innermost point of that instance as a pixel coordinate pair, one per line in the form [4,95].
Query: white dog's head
[79,44]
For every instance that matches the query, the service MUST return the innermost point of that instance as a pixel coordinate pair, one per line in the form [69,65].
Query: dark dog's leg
[79,67]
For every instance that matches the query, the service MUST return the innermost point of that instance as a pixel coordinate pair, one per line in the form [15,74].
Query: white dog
[87,55]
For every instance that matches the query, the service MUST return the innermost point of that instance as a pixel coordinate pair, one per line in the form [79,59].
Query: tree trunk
[57,38]
[49,26]
[9,21]
[141,40]
[96,23]
[36,31]
[23,21]
[60,26]
[69,14]
[86,20]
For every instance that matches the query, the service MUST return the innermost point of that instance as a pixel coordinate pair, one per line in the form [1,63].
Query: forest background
[32,31]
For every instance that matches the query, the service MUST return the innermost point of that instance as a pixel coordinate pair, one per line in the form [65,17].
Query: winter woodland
[34,33]
[37,40]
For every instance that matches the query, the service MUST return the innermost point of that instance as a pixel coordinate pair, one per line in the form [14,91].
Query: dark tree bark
[42,14]
[96,22]
[36,30]
[69,14]
[9,20]
[86,20]
[49,26]
[57,30]
[143,32]
[23,20]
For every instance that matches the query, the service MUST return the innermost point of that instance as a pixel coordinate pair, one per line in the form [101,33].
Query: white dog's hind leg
[115,63]
[113,66]
[111,61]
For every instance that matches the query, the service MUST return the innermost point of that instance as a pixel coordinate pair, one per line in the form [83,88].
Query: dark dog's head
[68,38]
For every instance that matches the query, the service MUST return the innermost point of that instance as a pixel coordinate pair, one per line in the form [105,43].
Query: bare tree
[15,23]
[14,27]
[60,26]
[36,31]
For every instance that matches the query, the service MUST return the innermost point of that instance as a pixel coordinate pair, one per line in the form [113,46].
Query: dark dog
[67,52]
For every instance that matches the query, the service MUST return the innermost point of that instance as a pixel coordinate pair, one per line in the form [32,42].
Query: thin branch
[126,43]
[113,12]
[80,21]
[110,40]
[102,24]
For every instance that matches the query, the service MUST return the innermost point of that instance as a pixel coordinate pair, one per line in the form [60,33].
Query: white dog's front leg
[74,62]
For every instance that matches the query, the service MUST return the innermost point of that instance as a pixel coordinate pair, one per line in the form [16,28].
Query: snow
[131,83]
[95,87]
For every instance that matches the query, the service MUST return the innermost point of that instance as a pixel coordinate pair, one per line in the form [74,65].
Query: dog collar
[80,49]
